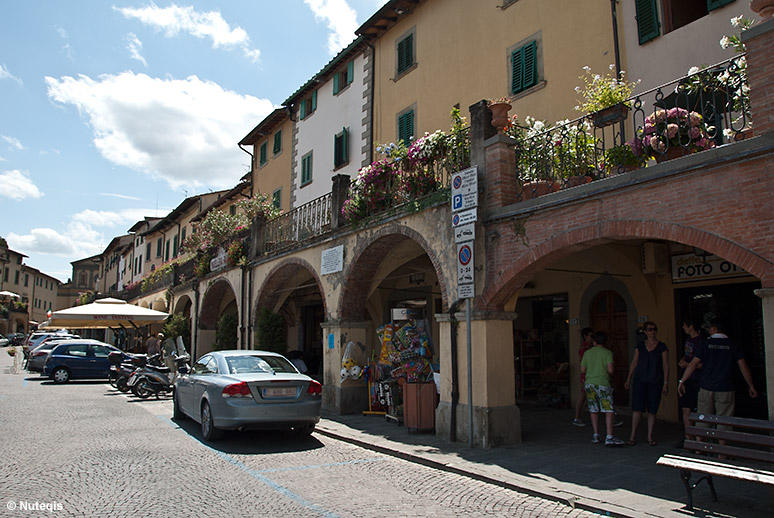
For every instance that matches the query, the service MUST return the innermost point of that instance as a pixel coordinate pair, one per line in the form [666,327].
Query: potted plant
[623,158]
[675,132]
[604,96]
[499,108]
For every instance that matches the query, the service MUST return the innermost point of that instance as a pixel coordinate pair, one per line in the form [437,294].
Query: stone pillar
[481,129]
[496,418]
[349,396]
[767,307]
[339,194]
[759,40]
[500,178]
[257,236]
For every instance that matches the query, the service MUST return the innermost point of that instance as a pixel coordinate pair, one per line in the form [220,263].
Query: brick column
[500,180]
[339,194]
[767,307]
[759,41]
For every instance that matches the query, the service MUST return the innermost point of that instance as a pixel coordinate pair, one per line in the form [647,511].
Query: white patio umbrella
[104,313]
[9,294]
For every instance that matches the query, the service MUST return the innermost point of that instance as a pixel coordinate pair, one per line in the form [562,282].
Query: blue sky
[113,111]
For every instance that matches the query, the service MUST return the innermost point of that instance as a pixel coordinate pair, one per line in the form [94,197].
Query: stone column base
[493,426]
[344,400]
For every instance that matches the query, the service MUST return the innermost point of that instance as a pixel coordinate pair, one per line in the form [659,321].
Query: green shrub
[270,333]
[226,334]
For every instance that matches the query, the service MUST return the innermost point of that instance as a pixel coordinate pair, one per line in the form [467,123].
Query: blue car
[79,359]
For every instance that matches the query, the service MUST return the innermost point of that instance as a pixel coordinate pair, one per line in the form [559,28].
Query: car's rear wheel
[209,432]
[177,412]
[60,375]
[304,431]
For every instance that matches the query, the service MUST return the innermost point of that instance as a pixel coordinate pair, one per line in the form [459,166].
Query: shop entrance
[608,314]
[311,319]
[740,309]
[541,350]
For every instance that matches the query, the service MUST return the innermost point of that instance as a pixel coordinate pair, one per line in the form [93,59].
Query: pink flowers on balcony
[676,128]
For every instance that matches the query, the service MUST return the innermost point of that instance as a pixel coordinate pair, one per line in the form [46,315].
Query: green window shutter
[302,109]
[148,251]
[335,83]
[166,252]
[405,53]
[647,20]
[174,246]
[344,145]
[714,4]
[278,142]
[277,198]
[158,247]
[306,169]
[263,153]
[524,67]
[406,126]
[517,70]
[182,237]
[314,101]
[350,71]
[530,65]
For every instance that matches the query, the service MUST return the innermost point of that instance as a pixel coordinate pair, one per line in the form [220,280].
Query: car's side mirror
[183,369]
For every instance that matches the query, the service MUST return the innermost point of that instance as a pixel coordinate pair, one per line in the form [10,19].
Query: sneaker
[614,441]
[595,438]
[618,422]
[578,422]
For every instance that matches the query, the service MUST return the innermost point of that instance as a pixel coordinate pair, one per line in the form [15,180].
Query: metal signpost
[464,195]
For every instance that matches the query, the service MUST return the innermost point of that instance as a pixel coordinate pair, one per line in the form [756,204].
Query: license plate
[279,392]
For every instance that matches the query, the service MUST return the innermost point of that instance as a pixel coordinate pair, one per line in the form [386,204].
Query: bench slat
[740,422]
[729,435]
[732,451]
[717,468]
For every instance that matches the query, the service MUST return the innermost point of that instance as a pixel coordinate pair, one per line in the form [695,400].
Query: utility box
[419,402]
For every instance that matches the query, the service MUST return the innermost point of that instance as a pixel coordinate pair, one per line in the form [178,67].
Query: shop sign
[466,232]
[464,190]
[219,261]
[332,260]
[466,216]
[406,314]
[691,267]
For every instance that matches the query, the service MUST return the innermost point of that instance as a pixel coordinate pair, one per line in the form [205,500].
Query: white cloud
[175,19]
[183,131]
[13,143]
[122,196]
[340,18]
[18,186]
[134,46]
[5,74]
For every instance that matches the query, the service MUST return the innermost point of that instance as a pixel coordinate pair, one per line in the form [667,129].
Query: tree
[226,334]
[270,334]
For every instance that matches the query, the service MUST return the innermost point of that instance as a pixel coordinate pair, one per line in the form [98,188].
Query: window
[175,243]
[100,351]
[524,70]
[308,106]
[139,267]
[166,252]
[26,279]
[344,78]
[277,142]
[147,252]
[406,126]
[306,169]
[675,14]
[158,246]
[182,237]
[341,148]
[5,275]
[262,157]
[136,265]
[405,53]
[78,350]
[16,277]
[232,210]
[276,199]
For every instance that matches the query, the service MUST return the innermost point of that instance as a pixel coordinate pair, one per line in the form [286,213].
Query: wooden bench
[743,453]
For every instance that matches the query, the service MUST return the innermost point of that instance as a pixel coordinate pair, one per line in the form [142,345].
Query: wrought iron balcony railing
[295,226]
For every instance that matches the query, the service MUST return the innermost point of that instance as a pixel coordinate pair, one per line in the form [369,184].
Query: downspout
[252,186]
[455,394]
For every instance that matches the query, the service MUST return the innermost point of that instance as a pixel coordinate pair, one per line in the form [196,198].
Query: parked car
[242,389]
[39,354]
[16,338]
[4,341]
[79,359]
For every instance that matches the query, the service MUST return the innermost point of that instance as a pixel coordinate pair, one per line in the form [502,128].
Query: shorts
[646,396]
[718,403]
[599,398]
[691,397]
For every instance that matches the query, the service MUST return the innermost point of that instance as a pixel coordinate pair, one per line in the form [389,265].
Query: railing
[694,113]
[300,224]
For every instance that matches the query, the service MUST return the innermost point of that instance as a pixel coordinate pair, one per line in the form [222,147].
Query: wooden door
[608,314]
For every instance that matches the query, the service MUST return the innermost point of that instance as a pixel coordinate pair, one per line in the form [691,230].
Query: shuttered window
[524,67]
[148,252]
[343,78]
[276,199]
[277,142]
[405,53]
[306,169]
[308,106]
[406,126]
[714,4]
[262,155]
[341,148]
[647,20]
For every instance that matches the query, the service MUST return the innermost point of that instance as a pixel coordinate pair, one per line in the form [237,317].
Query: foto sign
[464,189]
[691,267]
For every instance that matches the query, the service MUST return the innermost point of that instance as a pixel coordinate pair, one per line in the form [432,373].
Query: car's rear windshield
[249,363]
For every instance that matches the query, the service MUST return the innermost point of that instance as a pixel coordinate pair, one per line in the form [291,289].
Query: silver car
[237,390]
[39,354]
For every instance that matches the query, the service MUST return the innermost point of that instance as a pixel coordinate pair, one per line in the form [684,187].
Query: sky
[114,111]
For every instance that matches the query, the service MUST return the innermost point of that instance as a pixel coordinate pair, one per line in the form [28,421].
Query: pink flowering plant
[675,127]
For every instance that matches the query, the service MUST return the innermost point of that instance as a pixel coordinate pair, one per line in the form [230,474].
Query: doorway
[608,314]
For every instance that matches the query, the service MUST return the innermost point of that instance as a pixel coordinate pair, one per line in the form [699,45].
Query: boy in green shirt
[597,366]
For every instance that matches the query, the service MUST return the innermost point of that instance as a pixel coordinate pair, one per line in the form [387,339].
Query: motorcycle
[154,379]
[120,371]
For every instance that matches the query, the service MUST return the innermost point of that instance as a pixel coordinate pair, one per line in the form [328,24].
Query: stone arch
[159,305]
[211,302]
[183,305]
[368,256]
[280,276]
[561,245]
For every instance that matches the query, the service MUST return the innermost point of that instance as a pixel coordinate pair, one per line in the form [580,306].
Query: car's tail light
[237,390]
[40,353]
[315,388]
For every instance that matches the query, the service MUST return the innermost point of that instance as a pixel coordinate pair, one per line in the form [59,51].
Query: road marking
[315,466]
[256,474]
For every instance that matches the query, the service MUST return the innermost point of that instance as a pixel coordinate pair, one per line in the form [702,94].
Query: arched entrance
[608,313]
[218,319]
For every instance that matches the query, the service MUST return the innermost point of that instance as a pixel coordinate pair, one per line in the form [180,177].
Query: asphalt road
[84,449]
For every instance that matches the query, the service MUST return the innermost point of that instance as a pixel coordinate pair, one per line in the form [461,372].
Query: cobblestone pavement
[84,449]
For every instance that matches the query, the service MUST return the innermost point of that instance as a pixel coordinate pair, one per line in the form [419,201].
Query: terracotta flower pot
[671,153]
[610,115]
[764,8]
[537,188]
[574,181]
[499,114]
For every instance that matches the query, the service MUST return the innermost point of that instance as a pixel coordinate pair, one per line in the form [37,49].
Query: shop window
[344,78]
[341,148]
[406,126]
[277,142]
[306,170]
[262,154]
[405,52]
[308,106]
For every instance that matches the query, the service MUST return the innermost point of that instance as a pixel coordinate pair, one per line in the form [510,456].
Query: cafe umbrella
[104,313]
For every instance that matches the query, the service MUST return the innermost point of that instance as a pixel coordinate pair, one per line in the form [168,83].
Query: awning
[104,313]
[9,294]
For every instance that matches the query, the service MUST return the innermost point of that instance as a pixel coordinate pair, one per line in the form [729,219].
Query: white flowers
[737,21]
[693,70]
[725,42]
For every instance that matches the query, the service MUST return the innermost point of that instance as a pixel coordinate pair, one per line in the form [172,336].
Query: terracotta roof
[265,127]
[386,17]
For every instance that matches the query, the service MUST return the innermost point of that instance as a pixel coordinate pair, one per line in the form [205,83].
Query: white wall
[315,133]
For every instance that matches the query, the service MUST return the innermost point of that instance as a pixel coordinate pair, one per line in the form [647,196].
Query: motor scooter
[153,379]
